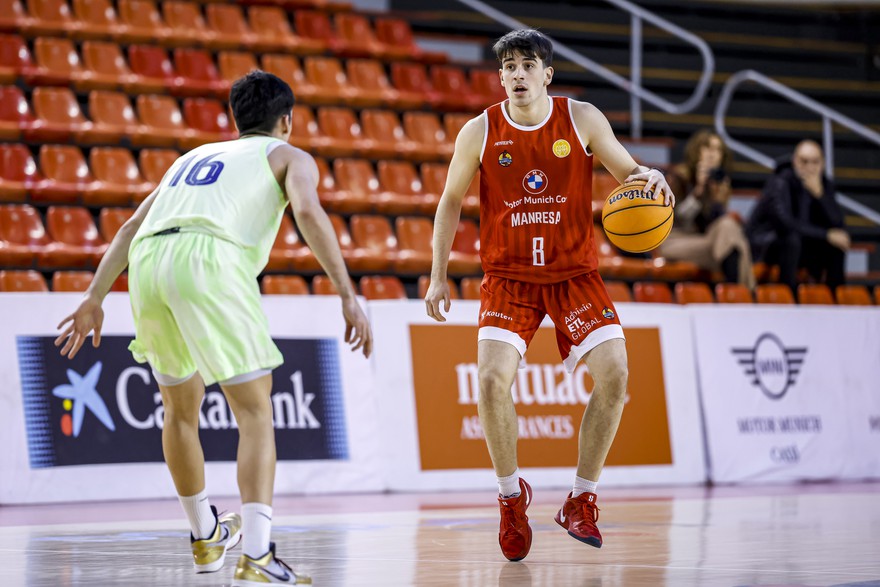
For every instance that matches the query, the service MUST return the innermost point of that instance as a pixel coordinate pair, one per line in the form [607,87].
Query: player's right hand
[438,291]
[357,328]
[88,317]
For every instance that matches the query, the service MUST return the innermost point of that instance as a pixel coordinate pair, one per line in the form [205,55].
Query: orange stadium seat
[155,162]
[275,33]
[773,293]
[414,237]
[433,183]
[454,89]
[358,180]
[382,287]
[652,292]
[373,235]
[106,68]
[618,291]
[208,122]
[289,252]
[287,67]
[197,74]
[733,293]
[15,114]
[877,294]
[142,22]
[413,77]
[359,259]
[322,286]
[96,19]
[161,122]
[315,25]
[424,128]
[110,220]
[384,129]
[341,125]
[231,30]
[22,281]
[235,64]
[71,281]
[332,197]
[186,25]
[13,17]
[306,134]
[152,65]
[470,288]
[18,172]
[464,258]
[75,232]
[356,31]
[56,63]
[288,285]
[57,117]
[22,235]
[119,180]
[453,122]
[814,294]
[331,85]
[66,173]
[693,293]
[368,77]
[112,115]
[425,282]
[853,295]
[15,59]
[50,17]
[396,32]
[486,84]
[401,189]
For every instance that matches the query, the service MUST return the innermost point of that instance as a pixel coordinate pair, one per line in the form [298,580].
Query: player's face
[524,78]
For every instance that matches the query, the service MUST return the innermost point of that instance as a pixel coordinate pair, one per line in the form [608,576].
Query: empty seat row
[193,72]
[371,287]
[266,28]
[733,293]
[62,281]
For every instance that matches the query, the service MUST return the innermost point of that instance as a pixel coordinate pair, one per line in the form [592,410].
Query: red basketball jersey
[536,219]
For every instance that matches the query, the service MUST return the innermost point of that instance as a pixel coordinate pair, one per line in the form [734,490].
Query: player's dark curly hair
[528,42]
[258,100]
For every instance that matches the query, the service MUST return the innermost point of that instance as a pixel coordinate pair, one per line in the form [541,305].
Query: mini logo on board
[504,159]
[561,148]
[535,181]
[770,365]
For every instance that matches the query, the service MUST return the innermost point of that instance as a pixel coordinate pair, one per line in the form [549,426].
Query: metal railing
[828,115]
[633,85]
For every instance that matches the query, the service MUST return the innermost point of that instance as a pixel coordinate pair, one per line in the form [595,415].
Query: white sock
[202,520]
[256,526]
[582,485]
[509,486]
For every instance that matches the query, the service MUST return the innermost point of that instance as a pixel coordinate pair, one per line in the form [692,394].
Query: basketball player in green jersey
[195,248]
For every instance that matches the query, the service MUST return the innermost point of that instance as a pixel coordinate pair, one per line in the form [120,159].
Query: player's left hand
[656,180]
[88,317]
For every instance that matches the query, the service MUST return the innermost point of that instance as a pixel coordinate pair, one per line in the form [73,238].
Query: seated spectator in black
[797,223]
[704,233]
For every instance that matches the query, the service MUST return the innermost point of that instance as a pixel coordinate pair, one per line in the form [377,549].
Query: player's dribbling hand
[438,291]
[88,316]
[656,180]
[357,328]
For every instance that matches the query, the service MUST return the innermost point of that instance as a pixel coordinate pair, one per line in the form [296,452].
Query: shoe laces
[511,515]
[590,511]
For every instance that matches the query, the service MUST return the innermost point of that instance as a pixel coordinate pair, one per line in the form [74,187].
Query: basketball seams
[665,220]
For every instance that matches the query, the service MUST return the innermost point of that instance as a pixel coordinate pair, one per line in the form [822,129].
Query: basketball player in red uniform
[535,156]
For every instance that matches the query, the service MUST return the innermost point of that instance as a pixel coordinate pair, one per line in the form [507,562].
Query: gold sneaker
[266,570]
[210,554]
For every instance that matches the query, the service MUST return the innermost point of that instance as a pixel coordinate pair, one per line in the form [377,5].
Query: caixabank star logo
[79,395]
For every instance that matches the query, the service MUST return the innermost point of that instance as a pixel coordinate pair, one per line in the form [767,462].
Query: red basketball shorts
[511,311]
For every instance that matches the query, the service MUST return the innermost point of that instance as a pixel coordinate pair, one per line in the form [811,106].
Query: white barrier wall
[789,393]
[90,428]
[427,393]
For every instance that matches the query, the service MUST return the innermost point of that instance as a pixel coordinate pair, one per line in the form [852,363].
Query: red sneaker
[579,515]
[515,536]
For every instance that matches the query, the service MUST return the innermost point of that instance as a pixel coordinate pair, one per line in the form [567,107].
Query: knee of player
[613,378]
[494,385]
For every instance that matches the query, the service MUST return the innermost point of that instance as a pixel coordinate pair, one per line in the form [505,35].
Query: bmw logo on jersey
[535,181]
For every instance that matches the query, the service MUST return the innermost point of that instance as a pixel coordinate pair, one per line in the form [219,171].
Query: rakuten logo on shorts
[494,314]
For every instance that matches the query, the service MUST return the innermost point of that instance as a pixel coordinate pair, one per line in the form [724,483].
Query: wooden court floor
[802,535]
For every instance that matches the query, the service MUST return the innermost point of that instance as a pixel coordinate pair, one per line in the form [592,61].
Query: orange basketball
[634,220]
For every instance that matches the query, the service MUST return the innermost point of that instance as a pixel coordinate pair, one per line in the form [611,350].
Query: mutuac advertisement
[102,407]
